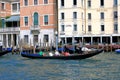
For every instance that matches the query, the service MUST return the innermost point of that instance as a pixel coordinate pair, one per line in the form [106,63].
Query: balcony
[10,30]
[62,33]
[35,29]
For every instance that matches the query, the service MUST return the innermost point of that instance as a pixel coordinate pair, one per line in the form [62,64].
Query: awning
[13,18]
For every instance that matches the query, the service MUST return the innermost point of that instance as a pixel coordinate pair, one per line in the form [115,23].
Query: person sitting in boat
[66,53]
[85,49]
[57,53]
[50,54]
[41,53]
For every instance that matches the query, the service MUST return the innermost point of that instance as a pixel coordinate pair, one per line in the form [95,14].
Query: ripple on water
[104,66]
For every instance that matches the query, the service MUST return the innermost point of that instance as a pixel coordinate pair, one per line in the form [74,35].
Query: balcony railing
[9,29]
[35,27]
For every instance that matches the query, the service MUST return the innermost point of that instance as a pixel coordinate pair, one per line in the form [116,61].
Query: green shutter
[35,18]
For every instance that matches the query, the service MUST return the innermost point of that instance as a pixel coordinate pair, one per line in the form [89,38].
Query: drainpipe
[56,29]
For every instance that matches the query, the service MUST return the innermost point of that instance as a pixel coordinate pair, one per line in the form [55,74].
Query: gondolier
[1,44]
[80,46]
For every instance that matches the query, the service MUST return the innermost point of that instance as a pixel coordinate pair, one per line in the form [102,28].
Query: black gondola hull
[4,52]
[70,57]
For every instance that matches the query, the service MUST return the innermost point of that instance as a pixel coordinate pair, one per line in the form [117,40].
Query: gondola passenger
[50,54]
[66,53]
[57,53]
[41,53]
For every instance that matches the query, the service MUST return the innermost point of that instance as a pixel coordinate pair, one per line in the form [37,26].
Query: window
[46,19]
[62,28]
[82,27]
[45,1]
[74,2]
[101,2]
[75,27]
[35,18]
[62,15]
[46,38]
[18,6]
[74,15]
[115,2]
[115,14]
[62,3]
[115,27]
[89,16]
[82,2]
[14,7]
[26,38]
[35,39]
[89,3]
[35,2]
[25,2]
[26,21]
[89,28]
[102,28]
[3,6]
[82,15]
[102,15]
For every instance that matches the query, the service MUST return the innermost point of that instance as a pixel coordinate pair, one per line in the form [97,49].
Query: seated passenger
[57,53]
[63,53]
[85,49]
[50,54]
[66,54]
[41,53]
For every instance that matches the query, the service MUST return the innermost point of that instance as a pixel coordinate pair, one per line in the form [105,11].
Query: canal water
[105,66]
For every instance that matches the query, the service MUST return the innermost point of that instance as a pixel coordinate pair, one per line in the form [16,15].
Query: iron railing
[10,29]
[35,27]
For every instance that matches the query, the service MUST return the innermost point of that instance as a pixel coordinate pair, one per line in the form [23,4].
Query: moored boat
[79,56]
[117,50]
[3,52]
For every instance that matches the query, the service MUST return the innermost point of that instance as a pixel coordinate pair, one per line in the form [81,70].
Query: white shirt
[85,49]
[1,44]
[50,54]
[57,53]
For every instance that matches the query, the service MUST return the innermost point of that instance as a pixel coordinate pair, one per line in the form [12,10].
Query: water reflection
[104,66]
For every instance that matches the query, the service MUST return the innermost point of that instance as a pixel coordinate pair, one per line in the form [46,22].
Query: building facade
[91,21]
[35,21]
[70,19]
[38,21]
[9,23]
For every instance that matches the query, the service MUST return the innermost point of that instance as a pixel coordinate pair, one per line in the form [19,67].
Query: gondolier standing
[80,45]
[1,45]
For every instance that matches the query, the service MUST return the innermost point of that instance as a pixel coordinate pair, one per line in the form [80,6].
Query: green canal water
[105,66]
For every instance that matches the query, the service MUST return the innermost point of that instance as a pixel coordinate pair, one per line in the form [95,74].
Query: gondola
[79,56]
[117,51]
[3,52]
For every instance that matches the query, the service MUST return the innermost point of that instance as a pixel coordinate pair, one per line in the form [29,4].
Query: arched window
[35,18]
